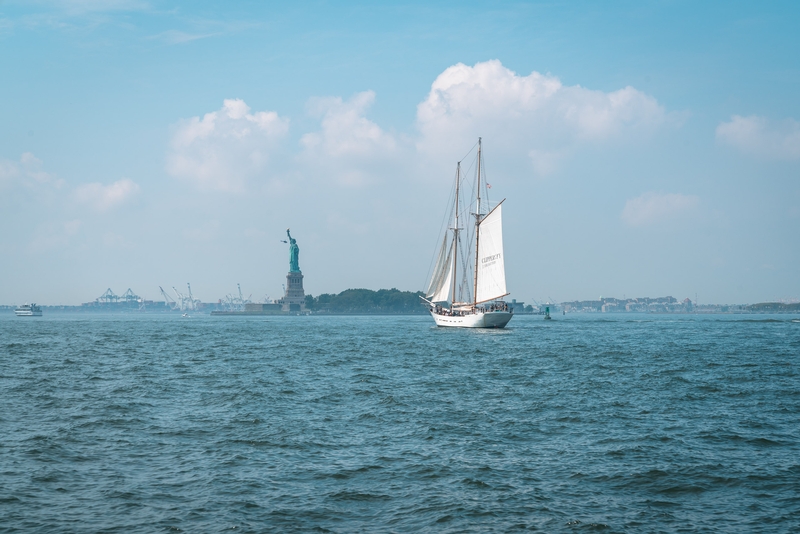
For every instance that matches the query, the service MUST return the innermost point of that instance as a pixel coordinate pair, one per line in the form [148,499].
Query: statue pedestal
[295,297]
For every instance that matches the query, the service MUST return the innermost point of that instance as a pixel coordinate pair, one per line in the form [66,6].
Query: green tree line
[389,301]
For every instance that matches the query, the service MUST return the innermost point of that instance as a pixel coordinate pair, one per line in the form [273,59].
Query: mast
[477,224]
[455,235]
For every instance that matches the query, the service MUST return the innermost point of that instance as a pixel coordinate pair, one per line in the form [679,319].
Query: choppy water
[342,424]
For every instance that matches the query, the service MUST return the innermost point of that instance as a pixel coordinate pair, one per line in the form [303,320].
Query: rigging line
[466,260]
[469,182]
[469,152]
[485,181]
[466,269]
[468,172]
[448,213]
[461,258]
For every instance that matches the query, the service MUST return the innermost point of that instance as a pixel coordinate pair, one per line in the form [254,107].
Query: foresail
[443,295]
[441,280]
[491,279]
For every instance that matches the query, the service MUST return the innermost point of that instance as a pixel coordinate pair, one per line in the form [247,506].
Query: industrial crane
[181,299]
[191,298]
[168,301]
[236,303]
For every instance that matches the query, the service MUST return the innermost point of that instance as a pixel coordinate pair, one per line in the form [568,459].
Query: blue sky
[645,148]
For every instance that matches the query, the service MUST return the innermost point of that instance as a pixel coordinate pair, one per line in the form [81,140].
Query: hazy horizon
[642,149]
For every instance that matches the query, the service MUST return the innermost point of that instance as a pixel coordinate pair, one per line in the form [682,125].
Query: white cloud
[32,168]
[534,118]
[28,173]
[349,144]
[104,197]
[758,136]
[345,130]
[8,172]
[225,148]
[652,207]
[527,114]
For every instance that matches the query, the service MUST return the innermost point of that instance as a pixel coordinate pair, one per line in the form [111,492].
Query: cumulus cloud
[347,139]
[32,167]
[345,129]
[8,172]
[528,114]
[105,197]
[758,136]
[225,148]
[535,118]
[28,172]
[653,207]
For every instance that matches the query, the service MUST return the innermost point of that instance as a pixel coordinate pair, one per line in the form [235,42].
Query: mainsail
[491,276]
[442,279]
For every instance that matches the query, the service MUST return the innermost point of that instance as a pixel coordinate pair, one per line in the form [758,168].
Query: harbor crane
[168,301]
[130,297]
[191,298]
[180,299]
[235,303]
[108,297]
[241,298]
[186,302]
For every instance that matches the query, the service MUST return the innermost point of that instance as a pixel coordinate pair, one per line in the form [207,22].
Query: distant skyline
[644,149]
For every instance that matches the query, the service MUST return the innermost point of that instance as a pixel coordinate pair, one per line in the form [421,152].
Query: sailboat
[469,278]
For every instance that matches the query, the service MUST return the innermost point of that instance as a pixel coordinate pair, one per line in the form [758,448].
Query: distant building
[517,307]
[666,304]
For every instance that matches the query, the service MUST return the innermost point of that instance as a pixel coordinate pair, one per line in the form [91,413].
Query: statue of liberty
[294,254]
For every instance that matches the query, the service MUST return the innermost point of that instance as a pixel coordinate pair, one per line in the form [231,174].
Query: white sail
[436,276]
[491,276]
[443,295]
[439,288]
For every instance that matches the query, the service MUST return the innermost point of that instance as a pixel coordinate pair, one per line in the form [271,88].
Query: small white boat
[475,299]
[28,310]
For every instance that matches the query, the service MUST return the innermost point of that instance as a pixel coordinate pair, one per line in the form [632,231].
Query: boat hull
[28,310]
[492,319]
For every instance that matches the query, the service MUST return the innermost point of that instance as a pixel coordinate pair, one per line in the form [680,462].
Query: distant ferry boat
[29,310]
